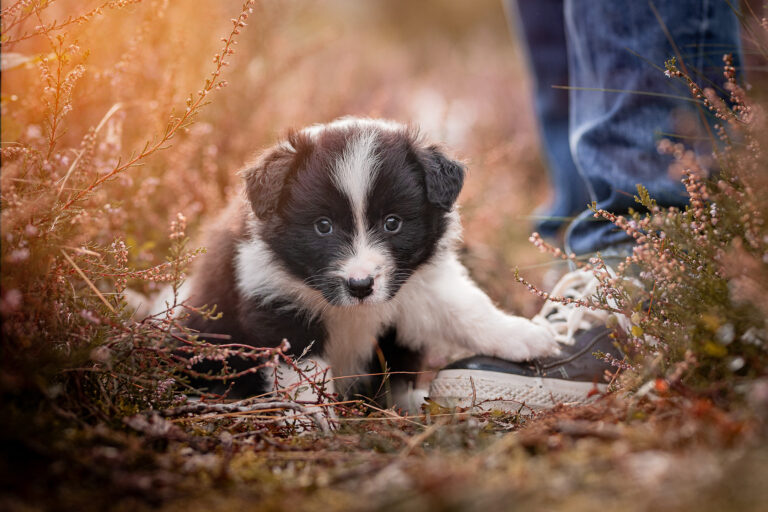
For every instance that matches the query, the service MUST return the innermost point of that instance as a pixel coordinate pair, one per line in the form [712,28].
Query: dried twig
[248,405]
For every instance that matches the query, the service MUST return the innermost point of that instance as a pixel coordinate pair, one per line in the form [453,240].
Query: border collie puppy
[346,239]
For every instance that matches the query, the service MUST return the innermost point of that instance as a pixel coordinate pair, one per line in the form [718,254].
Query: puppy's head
[354,207]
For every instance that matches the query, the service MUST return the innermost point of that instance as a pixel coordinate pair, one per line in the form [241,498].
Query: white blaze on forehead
[355,172]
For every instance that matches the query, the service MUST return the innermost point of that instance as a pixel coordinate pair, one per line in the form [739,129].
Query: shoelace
[563,321]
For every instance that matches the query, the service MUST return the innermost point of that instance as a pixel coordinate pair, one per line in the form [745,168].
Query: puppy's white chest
[351,339]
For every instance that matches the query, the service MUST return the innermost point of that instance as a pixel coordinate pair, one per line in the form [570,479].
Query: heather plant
[689,304]
[68,335]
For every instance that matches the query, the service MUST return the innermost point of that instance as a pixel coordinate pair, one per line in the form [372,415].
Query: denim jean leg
[541,30]
[618,46]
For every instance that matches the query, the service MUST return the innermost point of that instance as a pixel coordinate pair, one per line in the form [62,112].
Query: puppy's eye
[392,223]
[323,226]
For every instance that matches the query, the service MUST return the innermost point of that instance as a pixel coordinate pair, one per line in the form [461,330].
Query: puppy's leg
[394,370]
[441,304]
[306,386]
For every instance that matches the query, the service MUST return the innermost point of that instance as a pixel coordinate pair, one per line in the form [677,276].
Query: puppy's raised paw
[522,340]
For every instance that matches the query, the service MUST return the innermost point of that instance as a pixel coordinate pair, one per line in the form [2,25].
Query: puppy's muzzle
[360,288]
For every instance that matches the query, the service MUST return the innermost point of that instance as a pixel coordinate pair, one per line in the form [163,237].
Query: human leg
[621,104]
[541,27]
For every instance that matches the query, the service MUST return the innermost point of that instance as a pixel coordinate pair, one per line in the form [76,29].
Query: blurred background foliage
[450,67]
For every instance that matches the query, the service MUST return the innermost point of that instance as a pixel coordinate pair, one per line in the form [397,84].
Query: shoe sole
[485,390]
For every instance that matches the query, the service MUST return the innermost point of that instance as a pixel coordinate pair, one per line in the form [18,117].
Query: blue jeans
[601,144]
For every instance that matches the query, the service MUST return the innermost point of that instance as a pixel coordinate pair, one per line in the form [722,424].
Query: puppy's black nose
[360,288]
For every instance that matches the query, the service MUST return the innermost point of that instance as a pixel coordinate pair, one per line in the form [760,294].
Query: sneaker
[573,376]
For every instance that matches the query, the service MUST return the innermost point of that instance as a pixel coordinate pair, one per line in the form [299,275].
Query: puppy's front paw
[523,340]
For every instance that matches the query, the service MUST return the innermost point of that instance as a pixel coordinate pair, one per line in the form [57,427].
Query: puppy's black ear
[266,178]
[443,177]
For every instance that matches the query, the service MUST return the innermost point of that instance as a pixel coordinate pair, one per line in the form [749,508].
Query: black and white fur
[275,274]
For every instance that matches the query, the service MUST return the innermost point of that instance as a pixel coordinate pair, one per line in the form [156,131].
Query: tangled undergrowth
[689,303]
[103,145]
